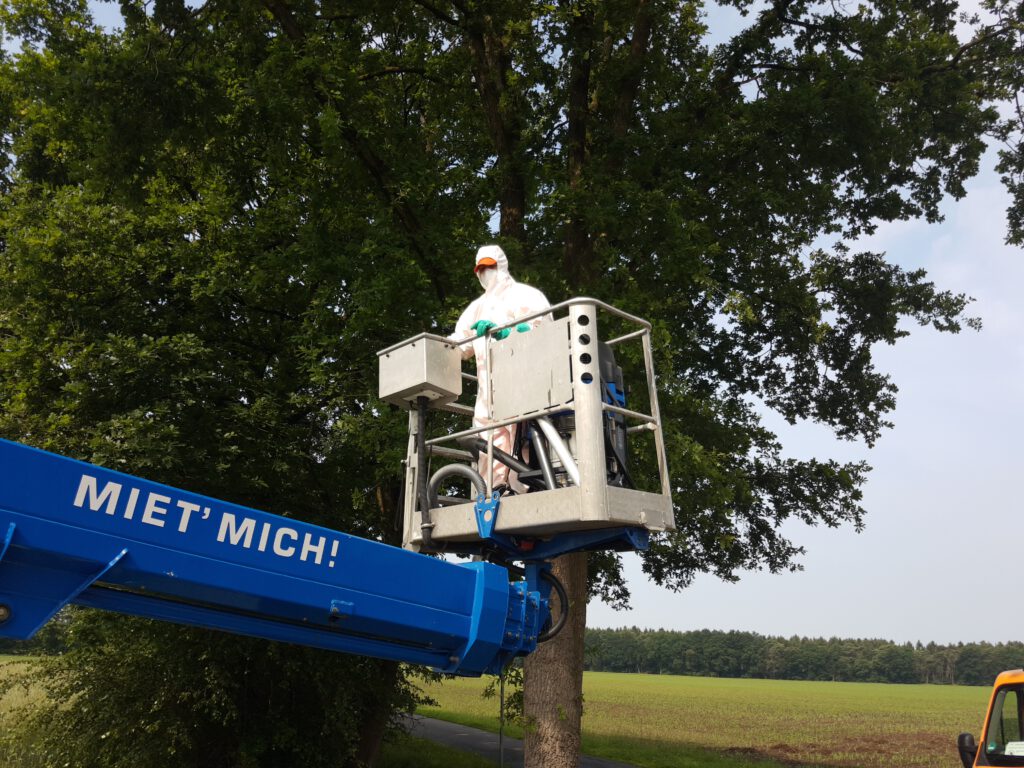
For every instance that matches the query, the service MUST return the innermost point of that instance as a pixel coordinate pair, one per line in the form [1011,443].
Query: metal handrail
[644,333]
[642,417]
[565,305]
[550,310]
[627,337]
[498,424]
[450,453]
[630,414]
[458,408]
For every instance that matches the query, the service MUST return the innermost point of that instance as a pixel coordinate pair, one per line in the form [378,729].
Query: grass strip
[638,752]
[410,752]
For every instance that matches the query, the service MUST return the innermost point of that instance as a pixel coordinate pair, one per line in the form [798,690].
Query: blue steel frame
[535,550]
[72,532]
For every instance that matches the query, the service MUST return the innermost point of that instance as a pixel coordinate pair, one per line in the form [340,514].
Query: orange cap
[486,261]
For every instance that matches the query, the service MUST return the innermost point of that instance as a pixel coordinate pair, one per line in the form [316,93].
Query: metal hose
[426,525]
[454,470]
[563,615]
[560,448]
[542,457]
[477,445]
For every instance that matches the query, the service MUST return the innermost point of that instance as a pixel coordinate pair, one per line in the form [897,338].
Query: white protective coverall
[503,301]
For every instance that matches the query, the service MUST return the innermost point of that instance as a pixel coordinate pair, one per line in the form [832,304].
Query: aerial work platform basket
[575,444]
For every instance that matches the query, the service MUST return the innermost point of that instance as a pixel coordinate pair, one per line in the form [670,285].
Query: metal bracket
[341,609]
[538,551]
[486,514]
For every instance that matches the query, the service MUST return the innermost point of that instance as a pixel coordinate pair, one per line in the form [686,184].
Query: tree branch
[633,74]
[402,211]
[579,250]
[780,67]
[491,66]
[437,13]
[283,15]
[397,71]
[821,28]
[966,48]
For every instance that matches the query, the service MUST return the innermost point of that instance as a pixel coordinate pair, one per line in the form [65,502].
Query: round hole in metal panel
[586,378]
[583,320]
[585,358]
[584,338]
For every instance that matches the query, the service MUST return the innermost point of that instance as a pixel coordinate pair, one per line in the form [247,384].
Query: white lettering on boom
[308,546]
[87,487]
[282,550]
[187,508]
[133,497]
[105,496]
[264,535]
[236,533]
[153,515]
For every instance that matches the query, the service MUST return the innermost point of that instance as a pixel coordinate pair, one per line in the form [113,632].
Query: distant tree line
[713,653]
[747,654]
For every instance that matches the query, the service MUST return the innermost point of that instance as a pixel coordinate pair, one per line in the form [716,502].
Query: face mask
[487,277]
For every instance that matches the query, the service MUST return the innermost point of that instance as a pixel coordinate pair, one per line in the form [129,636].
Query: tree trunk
[492,64]
[376,716]
[553,676]
[380,707]
[553,679]
[579,246]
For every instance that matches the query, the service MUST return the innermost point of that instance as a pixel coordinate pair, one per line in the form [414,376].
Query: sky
[936,560]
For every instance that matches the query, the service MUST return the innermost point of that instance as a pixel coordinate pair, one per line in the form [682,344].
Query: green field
[661,721]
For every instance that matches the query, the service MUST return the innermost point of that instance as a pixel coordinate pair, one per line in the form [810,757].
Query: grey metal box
[531,371]
[423,365]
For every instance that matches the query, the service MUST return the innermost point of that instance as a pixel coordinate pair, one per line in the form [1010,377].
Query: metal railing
[649,422]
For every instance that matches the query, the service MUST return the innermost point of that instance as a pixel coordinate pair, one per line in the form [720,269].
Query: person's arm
[530,301]
[463,330]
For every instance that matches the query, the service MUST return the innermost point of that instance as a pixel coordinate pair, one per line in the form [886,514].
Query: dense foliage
[51,639]
[176,300]
[746,654]
[146,695]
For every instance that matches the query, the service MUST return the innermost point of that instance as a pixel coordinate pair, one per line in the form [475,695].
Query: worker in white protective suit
[503,301]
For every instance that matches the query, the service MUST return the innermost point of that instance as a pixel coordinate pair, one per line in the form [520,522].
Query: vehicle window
[1004,738]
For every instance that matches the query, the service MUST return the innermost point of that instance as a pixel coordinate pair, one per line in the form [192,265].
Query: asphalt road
[486,744]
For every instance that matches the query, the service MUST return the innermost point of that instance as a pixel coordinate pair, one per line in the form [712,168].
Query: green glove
[523,327]
[499,335]
[482,326]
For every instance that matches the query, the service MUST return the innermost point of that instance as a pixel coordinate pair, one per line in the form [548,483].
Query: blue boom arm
[72,532]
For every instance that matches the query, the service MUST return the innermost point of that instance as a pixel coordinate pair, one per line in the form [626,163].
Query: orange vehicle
[1002,740]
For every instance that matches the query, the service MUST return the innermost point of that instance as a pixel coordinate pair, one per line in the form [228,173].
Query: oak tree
[213,216]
